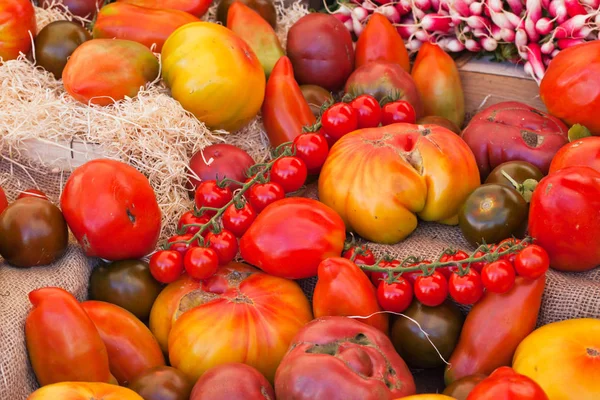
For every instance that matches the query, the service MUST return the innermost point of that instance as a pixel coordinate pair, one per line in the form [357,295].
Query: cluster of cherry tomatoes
[363,112]
[432,290]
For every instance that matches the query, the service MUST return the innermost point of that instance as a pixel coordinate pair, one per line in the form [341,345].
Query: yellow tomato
[214,74]
[427,397]
[563,358]
[83,391]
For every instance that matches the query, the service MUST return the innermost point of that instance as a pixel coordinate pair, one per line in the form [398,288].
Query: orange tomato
[563,358]
[83,391]
[380,179]
[380,41]
[17,23]
[239,315]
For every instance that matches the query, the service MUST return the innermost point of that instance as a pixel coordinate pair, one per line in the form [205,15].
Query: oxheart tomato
[505,383]
[131,347]
[307,232]
[84,391]
[582,152]
[232,381]
[237,315]
[112,210]
[380,179]
[17,22]
[342,358]
[564,218]
[62,341]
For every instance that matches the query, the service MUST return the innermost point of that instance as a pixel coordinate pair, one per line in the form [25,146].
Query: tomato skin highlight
[313,149]
[466,289]
[201,262]
[166,265]
[532,262]
[505,383]
[262,195]
[339,120]
[290,173]
[395,296]
[238,220]
[368,111]
[498,276]
[431,290]
[398,111]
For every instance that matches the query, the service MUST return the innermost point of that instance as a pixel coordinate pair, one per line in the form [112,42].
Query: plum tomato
[395,296]
[532,262]
[368,110]
[339,120]
[290,173]
[33,193]
[498,276]
[189,218]
[312,148]
[209,194]
[225,244]
[238,219]
[166,265]
[201,262]
[398,111]
[261,195]
[466,289]
[431,290]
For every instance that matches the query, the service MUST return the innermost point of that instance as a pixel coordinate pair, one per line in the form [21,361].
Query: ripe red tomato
[457,256]
[225,244]
[398,111]
[378,277]
[181,246]
[209,194]
[368,110]
[506,383]
[166,265]
[238,220]
[466,289]
[532,262]
[339,120]
[3,200]
[412,276]
[365,257]
[201,262]
[189,218]
[219,161]
[478,266]
[395,296]
[262,194]
[33,193]
[313,149]
[290,173]
[431,290]
[498,276]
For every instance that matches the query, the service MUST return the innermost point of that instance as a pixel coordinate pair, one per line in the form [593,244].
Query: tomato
[128,226]
[62,341]
[498,276]
[362,255]
[32,193]
[166,265]
[210,194]
[339,120]
[312,148]
[263,312]
[378,277]
[290,173]
[380,41]
[466,289]
[395,296]
[518,170]
[217,162]
[3,200]
[178,242]
[214,74]
[398,111]
[427,396]
[81,8]
[431,290]
[532,262]
[238,220]
[505,383]
[440,121]
[17,22]
[232,381]
[457,256]
[261,195]
[83,391]
[130,345]
[201,262]
[581,152]
[194,7]
[368,110]
[413,275]
[479,265]
[189,218]
[225,244]
[316,97]
[162,383]
[461,388]
[265,8]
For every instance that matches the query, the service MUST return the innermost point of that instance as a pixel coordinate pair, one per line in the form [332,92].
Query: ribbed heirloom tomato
[17,22]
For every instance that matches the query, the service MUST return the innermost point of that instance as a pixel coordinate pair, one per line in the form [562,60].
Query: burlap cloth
[567,295]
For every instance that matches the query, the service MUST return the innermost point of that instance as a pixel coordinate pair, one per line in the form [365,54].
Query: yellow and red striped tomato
[17,28]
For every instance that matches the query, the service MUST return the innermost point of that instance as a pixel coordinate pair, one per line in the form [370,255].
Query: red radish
[342,17]
[535,59]
[403,7]
[422,35]
[532,33]
[390,13]
[369,5]
[593,4]
[571,27]
[534,9]
[357,27]
[508,35]
[516,6]
[461,6]
[544,26]
[407,28]
[546,59]
[514,19]
[496,32]
[477,22]
[419,14]
[435,5]
[566,43]
[488,43]
[455,45]
[472,45]
[424,5]
[501,20]
[574,8]
[414,45]
[476,8]
[547,48]
[360,14]
[349,25]
[558,10]
[495,5]
[436,23]
[480,33]
[555,53]
[521,42]
[545,4]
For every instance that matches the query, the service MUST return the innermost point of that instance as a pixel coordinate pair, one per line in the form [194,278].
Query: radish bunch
[531,32]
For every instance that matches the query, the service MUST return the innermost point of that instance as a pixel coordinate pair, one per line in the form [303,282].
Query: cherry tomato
[290,173]
[532,262]
[330,139]
[201,262]
[225,244]
[368,110]
[498,276]
[33,193]
[431,290]
[262,194]
[478,266]
[189,218]
[458,256]
[182,247]
[209,194]
[339,120]
[238,220]
[466,289]
[378,277]
[312,148]
[166,265]
[395,296]
[365,257]
[412,276]
[398,111]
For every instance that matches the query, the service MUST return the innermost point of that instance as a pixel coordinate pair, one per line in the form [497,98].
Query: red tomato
[189,218]
[81,8]
[378,277]
[330,139]
[17,22]
[232,381]
[368,110]
[178,243]
[364,256]
[532,262]
[201,262]
[166,265]
[413,275]
[498,276]
[112,210]
[339,120]
[313,149]
[457,256]
[209,194]
[3,200]
[219,161]
[466,289]
[583,152]
[33,193]
[395,296]
[290,173]
[478,266]
[225,244]
[238,220]
[262,194]
[398,111]
[431,290]
[505,383]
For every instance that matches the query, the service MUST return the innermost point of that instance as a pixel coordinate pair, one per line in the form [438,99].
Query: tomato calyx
[525,189]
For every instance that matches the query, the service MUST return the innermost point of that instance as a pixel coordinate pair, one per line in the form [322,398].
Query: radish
[514,19]
[535,59]
[547,48]
[566,43]
[342,17]
[360,14]
[472,45]
[545,4]
[403,7]
[436,5]
[414,45]
[532,33]
[436,23]
[422,35]
[521,43]
[368,5]
[488,43]
[455,45]
[390,12]
[461,6]
[349,25]
[558,10]
[516,6]
[495,5]
[501,20]
[476,8]
[593,4]
[424,5]
[507,35]
[496,32]
[534,9]
[480,33]
[477,22]
[418,13]
[357,26]
[571,27]
[544,26]
[574,8]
